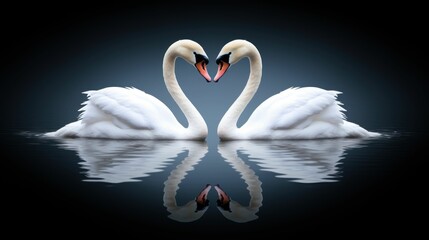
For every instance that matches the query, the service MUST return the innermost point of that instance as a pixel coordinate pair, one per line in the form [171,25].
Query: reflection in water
[190,211]
[231,209]
[302,161]
[118,161]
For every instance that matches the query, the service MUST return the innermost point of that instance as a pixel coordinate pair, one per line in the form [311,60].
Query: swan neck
[228,124]
[197,127]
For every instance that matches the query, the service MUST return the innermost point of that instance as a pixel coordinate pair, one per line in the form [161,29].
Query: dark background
[377,55]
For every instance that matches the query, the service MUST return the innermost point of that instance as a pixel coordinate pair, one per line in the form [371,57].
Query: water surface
[142,186]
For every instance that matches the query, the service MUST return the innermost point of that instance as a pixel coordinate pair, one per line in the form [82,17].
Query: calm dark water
[363,185]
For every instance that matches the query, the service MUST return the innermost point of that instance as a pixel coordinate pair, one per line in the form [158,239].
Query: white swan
[128,113]
[295,113]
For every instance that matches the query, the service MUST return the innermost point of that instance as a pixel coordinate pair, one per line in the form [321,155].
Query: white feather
[295,113]
[129,113]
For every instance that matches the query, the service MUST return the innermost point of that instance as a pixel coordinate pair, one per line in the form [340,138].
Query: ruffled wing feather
[125,107]
[295,107]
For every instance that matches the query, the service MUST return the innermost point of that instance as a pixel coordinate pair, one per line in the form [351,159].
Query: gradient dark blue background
[375,54]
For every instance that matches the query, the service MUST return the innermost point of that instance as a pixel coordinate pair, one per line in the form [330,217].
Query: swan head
[193,53]
[201,199]
[223,200]
[232,53]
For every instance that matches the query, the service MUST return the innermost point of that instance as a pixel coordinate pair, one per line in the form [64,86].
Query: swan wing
[297,108]
[125,107]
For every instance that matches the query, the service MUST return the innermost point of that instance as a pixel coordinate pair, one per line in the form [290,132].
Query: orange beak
[202,69]
[202,197]
[223,198]
[222,67]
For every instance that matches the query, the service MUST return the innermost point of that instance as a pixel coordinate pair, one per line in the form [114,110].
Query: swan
[295,113]
[129,113]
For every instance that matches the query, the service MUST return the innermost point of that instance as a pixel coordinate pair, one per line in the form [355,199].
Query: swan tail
[354,130]
[70,130]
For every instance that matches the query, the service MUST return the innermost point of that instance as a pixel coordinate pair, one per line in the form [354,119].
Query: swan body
[295,113]
[129,113]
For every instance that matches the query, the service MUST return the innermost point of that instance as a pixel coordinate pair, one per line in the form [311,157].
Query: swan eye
[201,58]
[223,58]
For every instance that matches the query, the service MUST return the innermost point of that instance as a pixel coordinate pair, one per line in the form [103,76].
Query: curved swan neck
[228,124]
[196,124]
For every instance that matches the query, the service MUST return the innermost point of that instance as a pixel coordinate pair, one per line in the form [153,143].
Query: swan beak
[202,69]
[223,198]
[201,199]
[222,67]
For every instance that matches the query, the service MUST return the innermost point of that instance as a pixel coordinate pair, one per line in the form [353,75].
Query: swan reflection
[118,161]
[229,208]
[302,161]
[196,207]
